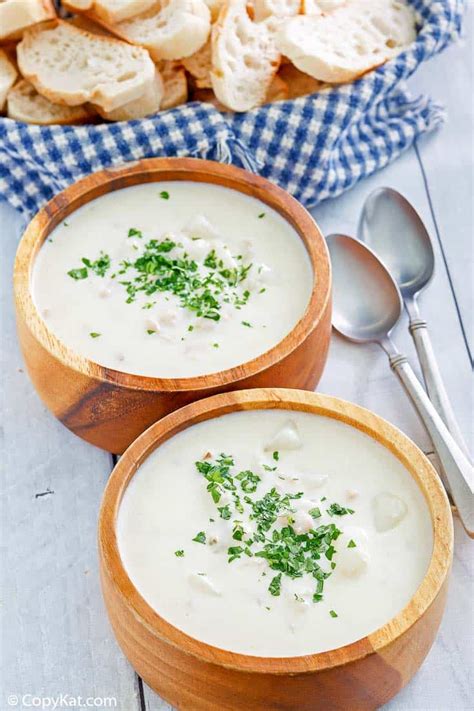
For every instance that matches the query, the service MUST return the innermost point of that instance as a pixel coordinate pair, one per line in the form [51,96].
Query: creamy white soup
[274,533]
[172,279]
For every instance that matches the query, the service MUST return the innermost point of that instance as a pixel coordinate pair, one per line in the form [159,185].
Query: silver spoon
[390,225]
[367,307]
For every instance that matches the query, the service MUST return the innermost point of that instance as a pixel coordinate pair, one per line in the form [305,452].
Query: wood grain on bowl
[195,676]
[110,408]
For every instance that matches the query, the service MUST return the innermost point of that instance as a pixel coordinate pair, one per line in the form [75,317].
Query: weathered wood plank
[56,637]
[448,162]
[361,373]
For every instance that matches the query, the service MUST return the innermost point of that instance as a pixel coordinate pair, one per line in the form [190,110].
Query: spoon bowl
[390,225]
[366,302]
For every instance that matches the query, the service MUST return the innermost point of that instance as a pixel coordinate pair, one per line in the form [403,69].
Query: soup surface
[274,533]
[172,279]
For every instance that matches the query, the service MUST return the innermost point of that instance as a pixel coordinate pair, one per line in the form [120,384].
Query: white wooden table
[56,638]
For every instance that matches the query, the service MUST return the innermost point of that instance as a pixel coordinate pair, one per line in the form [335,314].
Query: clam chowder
[274,533]
[172,279]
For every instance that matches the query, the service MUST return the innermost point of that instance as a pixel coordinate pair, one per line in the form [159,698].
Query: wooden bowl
[110,408]
[194,676]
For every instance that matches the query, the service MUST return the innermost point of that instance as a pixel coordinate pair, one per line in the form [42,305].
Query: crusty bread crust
[110,83]
[17,15]
[175,85]
[26,105]
[146,105]
[110,10]
[172,30]
[8,75]
[244,57]
[343,44]
[199,66]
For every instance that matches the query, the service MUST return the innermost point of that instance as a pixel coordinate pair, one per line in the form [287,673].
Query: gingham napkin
[315,147]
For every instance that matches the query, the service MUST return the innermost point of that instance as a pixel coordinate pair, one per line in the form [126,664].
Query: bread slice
[171,30]
[84,23]
[175,85]
[199,66]
[110,10]
[215,7]
[244,57]
[351,40]
[8,75]
[298,83]
[318,7]
[277,8]
[149,103]
[17,15]
[278,91]
[25,104]
[71,66]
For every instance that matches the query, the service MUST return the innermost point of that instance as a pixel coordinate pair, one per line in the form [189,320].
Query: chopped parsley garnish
[200,288]
[276,456]
[80,273]
[200,537]
[275,585]
[94,334]
[99,267]
[248,481]
[246,323]
[179,554]
[352,544]
[225,512]
[164,195]
[338,510]
[262,214]
[135,233]
[272,536]
[333,614]
[150,331]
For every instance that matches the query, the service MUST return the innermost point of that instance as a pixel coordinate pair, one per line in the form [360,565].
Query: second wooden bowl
[110,408]
[194,676]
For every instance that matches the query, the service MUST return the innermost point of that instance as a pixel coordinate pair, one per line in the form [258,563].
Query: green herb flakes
[164,195]
[333,613]
[200,537]
[94,334]
[338,510]
[275,585]
[352,544]
[179,554]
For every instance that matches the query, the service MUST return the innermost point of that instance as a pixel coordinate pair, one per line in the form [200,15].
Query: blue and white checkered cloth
[315,146]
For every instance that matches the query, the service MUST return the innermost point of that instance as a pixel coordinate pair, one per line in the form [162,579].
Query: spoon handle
[433,380]
[456,466]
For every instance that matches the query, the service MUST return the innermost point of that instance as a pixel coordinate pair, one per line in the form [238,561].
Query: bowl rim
[156,170]
[362,419]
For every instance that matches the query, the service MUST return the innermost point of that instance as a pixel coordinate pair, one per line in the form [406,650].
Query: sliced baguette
[8,75]
[149,103]
[25,104]
[298,83]
[317,7]
[215,7]
[110,10]
[244,57]
[346,43]
[71,66]
[175,85]
[277,8]
[84,23]
[17,15]
[199,66]
[171,30]
[278,91]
